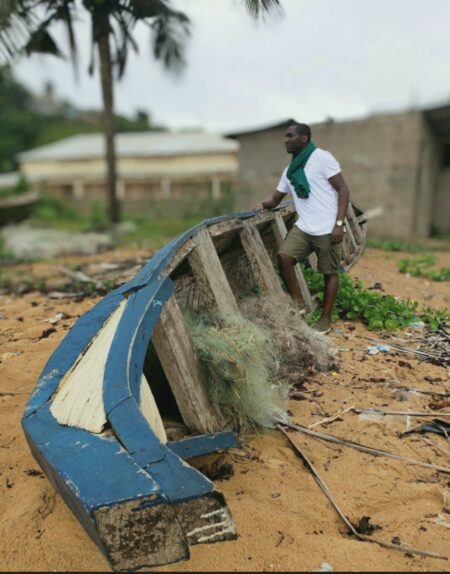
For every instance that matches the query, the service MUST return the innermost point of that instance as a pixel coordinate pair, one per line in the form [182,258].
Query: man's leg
[286,265]
[328,256]
[295,248]
[329,295]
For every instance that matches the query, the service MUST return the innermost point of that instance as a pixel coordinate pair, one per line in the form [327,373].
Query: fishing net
[252,361]
[240,368]
[300,349]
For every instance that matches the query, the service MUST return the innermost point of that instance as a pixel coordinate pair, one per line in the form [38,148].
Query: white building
[151,166]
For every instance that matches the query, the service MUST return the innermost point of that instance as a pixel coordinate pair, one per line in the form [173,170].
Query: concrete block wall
[380,159]
[389,161]
[441,211]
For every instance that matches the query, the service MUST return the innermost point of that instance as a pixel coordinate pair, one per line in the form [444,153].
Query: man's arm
[271,201]
[338,182]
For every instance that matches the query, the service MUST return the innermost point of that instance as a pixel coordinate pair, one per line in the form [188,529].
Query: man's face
[293,141]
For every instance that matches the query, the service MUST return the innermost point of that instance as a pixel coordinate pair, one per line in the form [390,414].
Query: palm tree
[25,28]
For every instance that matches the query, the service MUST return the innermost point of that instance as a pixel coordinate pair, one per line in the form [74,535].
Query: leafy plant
[374,309]
[419,267]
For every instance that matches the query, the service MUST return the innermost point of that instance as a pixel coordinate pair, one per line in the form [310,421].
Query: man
[321,198]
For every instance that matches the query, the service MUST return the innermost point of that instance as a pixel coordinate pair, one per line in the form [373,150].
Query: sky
[319,59]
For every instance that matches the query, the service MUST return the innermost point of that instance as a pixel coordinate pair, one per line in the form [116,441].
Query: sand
[284,521]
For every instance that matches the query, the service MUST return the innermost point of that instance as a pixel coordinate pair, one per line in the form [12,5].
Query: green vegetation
[23,126]
[397,245]
[420,267]
[151,229]
[21,186]
[375,310]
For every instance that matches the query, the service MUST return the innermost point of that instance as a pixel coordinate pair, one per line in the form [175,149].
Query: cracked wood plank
[259,260]
[174,347]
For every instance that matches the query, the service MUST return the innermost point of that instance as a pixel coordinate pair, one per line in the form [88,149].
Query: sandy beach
[284,521]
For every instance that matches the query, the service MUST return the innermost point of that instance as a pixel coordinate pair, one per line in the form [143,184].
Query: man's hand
[258,206]
[337,235]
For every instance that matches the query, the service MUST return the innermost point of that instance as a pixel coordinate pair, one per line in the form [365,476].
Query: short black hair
[302,129]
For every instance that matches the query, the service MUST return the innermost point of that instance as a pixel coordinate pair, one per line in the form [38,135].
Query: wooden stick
[329,495]
[444,451]
[333,418]
[406,349]
[394,384]
[404,413]
[367,449]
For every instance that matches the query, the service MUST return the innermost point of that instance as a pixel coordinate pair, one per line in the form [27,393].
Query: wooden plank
[77,462]
[174,348]
[181,254]
[280,231]
[357,232]
[192,447]
[259,261]
[210,276]
[346,253]
[79,399]
[313,261]
[351,235]
[224,227]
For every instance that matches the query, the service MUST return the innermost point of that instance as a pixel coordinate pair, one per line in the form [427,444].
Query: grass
[438,244]
[150,230]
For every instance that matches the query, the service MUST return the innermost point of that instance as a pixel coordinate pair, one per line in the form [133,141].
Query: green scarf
[296,171]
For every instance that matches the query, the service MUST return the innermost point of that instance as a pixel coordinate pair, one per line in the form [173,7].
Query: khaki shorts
[300,245]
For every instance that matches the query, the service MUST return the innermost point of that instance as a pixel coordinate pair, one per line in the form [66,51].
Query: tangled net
[300,349]
[250,362]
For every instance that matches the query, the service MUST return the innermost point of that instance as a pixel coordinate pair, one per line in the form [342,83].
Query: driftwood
[367,449]
[329,495]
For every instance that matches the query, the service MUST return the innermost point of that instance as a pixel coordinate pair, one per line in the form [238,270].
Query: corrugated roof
[142,144]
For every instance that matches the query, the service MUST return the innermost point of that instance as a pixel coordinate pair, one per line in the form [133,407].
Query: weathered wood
[351,235]
[210,276]
[181,254]
[192,447]
[313,261]
[174,348]
[259,261]
[224,227]
[346,252]
[351,216]
[280,231]
[78,401]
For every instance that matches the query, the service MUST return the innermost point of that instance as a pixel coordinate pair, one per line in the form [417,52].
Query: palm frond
[24,27]
[41,42]
[170,35]
[142,9]
[123,39]
[257,8]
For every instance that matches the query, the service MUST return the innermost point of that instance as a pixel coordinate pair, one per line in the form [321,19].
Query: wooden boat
[15,208]
[96,422]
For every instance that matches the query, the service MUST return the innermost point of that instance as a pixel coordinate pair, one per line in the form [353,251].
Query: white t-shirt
[316,214]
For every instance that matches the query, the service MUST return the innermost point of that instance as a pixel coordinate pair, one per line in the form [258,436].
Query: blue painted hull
[135,496]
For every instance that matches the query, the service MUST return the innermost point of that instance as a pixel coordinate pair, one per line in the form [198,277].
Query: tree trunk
[108,118]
